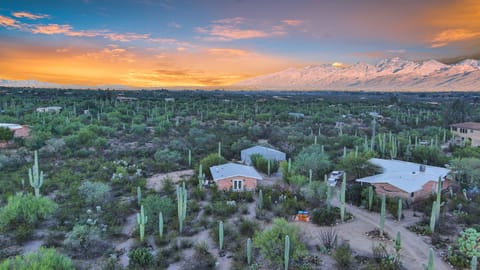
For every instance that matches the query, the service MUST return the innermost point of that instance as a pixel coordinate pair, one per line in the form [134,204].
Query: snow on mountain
[387,75]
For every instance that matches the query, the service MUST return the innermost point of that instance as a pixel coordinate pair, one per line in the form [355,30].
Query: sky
[215,43]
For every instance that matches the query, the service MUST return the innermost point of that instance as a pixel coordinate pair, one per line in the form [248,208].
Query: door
[237,185]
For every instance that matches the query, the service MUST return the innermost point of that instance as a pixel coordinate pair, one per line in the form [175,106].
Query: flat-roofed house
[468,132]
[19,131]
[407,180]
[265,152]
[236,177]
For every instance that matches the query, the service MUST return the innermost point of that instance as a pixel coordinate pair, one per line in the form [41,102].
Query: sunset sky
[167,43]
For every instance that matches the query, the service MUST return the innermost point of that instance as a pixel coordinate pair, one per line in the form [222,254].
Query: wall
[425,192]
[460,137]
[227,183]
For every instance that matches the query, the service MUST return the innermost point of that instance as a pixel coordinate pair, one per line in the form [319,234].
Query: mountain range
[393,74]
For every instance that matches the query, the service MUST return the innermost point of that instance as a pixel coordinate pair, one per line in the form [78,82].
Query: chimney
[423,168]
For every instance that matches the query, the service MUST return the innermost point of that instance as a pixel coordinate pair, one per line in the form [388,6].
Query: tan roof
[469,125]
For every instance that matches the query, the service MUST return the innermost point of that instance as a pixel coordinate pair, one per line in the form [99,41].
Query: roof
[404,175]
[261,149]
[11,126]
[232,169]
[469,125]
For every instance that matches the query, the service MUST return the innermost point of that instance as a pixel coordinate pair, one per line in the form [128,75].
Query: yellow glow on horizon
[337,64]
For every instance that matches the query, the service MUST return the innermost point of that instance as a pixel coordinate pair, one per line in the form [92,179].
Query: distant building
[468,132]
[265,152]
[55,109]
[169,100]
[19,131]
[296,115]
[126,99]
[235,177]
[407,180]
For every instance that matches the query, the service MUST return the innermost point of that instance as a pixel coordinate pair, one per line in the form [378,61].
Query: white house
[265,152]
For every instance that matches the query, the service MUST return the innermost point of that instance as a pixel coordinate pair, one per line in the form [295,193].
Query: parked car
[336,175]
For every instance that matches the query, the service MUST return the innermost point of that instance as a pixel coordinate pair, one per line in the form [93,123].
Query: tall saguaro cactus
[139,195]
[142,219]
[220,235]
[430,265]
[260,199]
[249,251]
[342,197]
[370,197]
[433,218]
[160,224]
[439,198]
[399,209]
[473,263]
[382,214]
[181,205]
[287,252]
[35,176]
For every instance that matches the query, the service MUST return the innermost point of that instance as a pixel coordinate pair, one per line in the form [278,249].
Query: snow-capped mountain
[393,74]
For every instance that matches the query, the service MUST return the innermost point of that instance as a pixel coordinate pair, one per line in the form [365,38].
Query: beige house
[406,180]
[468,132]
[235,177]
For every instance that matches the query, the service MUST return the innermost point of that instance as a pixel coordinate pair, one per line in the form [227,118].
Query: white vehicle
[336,175]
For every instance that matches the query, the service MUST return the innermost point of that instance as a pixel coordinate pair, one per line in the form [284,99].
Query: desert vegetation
[75,194]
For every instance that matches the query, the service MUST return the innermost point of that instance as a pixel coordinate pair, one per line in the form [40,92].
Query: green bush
[325,217]
[94,193]
[155,204]
[140,258]
[85,240]
[43,259]
[343,257]
[25,210]
[469,242]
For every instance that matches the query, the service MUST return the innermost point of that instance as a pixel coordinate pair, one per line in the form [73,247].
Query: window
[237,184]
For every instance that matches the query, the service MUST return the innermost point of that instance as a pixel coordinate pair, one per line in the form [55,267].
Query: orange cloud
[126,37]
[227,51]
[235,28]
[8,22]
[29,15]
[293,22]
[452,35]
[52,29]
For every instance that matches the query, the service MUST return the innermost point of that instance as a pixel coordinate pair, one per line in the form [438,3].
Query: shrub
[154,204]
[343,257]
[223,210]
[271,242]
[25,210]
[85,240]
[325,217]
[140,258]
[94,193]
[43,258]
[248,228]
[469,242]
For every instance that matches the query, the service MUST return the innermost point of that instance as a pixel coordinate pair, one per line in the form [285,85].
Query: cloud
[227,51]
[8,22]
[399,51]
[28,15]
[126,37]
[452,35]
[52,29]
[293,22]
[174,25]
[235,28]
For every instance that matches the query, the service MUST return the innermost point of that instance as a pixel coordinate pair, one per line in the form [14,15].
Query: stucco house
[466,132]
[55,109]
[265,152]
[407,180]
[236,177]
[19,131]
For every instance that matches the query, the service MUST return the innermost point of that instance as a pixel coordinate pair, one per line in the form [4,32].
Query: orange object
[302,216]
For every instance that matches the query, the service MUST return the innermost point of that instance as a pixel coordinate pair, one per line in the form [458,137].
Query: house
[265,152]
[19,131]
[466,132]
[407,180]
[296,115]
[236,177]
[55,109]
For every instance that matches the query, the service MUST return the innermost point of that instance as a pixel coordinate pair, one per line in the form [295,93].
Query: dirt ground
[156,181]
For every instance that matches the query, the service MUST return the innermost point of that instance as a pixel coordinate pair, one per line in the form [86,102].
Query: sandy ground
[156,181]
[414,249]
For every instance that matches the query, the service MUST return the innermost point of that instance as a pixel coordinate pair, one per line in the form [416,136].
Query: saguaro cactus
[181,205]
[382,215]
[220,235]
[287,252]
[329,197]
[473,263]
[160,224]
[201,177]
[397,246]
[268,167]
[35,176]
[430,260]
[439,198]
[310,174]
[189,158]
[342,197]
[433,217]
[260,199]
[142,219]
[139,195]
[399,209]
[370,197]
[249,251]
[219,149]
